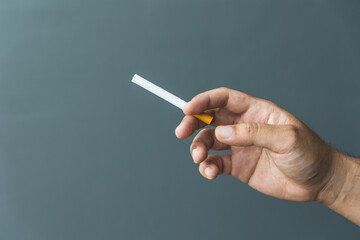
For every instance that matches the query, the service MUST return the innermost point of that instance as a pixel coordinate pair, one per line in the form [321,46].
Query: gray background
[77,159]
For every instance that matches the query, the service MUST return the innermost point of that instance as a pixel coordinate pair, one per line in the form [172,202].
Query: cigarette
[169,97]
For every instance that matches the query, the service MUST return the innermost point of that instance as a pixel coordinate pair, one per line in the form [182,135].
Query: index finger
[232,100]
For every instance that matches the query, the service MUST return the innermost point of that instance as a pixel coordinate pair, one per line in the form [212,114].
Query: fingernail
[196,154]
[224,131]
[209,172]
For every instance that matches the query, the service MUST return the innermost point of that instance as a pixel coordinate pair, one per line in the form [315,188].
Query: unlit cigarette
[169,97]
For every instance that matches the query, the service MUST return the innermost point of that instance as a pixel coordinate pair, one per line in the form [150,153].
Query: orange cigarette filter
[206,118]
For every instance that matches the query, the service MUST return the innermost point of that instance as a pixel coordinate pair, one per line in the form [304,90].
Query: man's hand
[271,150]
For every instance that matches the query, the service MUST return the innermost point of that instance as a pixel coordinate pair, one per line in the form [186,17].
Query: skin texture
[271,150]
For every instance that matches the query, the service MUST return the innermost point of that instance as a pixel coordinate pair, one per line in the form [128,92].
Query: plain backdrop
[85,154]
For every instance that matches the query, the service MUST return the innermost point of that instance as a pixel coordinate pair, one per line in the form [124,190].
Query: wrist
[341,192]
[331,190]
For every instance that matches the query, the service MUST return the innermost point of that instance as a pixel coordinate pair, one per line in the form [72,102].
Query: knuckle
[293,136]
[249,130]
[202,135]
[204,131]
[202,138]
[265,102]
[224,88]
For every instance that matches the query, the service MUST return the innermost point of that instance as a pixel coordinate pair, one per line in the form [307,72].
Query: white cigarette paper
[171,98]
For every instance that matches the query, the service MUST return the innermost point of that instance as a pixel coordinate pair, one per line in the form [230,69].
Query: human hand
[271,150]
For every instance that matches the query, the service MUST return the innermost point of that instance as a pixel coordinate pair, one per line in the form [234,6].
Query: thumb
[274,137]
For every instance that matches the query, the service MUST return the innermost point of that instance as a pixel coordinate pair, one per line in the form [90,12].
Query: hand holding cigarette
[271,151]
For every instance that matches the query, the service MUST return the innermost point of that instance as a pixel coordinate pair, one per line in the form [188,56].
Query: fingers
[232,100]
[278,138]
[190,124]
[203,142]
[222,117]
[216,165]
